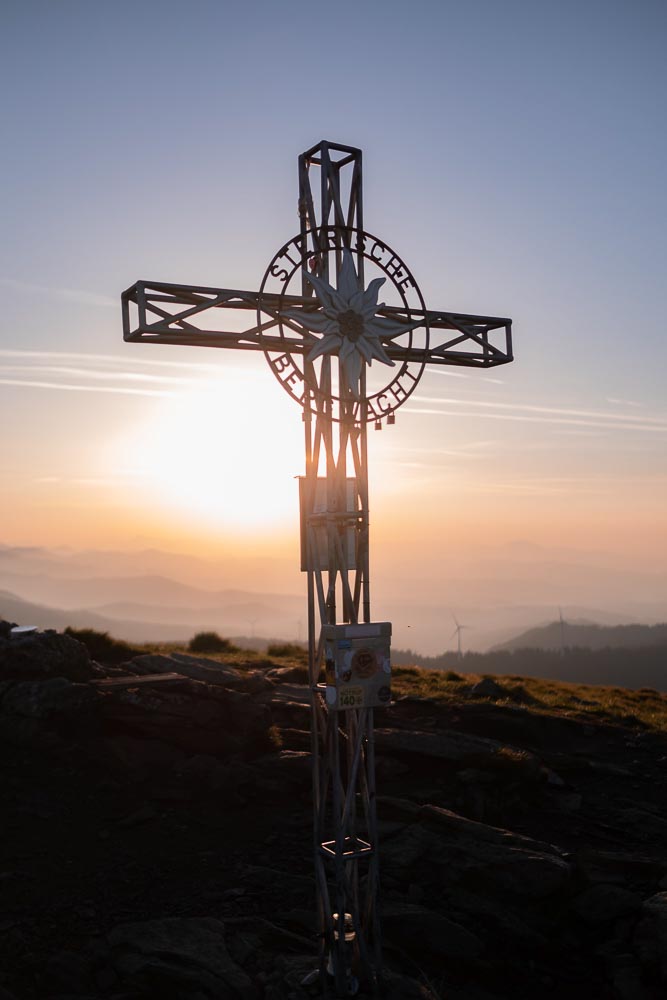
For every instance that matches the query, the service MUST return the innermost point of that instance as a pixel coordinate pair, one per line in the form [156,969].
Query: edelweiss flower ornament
[348,323]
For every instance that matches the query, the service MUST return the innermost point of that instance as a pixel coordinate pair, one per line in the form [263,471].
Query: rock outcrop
[157,829]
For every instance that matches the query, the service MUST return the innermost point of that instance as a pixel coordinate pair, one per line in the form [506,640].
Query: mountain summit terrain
[157,830]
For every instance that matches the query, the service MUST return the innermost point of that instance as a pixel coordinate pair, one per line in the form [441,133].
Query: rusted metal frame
[345,832]
[311,154]
[334,181]
[361,537]
[373,918]
[356,732]
[345,871]
[201,339]
[250,299]
[321,713]
[242,341]
[348,601]
[365,530]
[324,909]
[448,344]
[344,435]
[325,209]
[328,438]
[251,339]
[361,540]
[348,820]
[318,577]
[359,913]
[463,359]
[308,219]
[405,354]
[180,319]
[480,338]
[321,816]
[441,319]
[224,299]
[141,302]
[214,298]
[354,220]
[339,860]
[357,779]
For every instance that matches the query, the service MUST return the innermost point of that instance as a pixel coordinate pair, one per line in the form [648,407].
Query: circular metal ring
[320,339]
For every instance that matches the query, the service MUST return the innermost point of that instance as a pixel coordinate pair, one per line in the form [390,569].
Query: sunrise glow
[223,455]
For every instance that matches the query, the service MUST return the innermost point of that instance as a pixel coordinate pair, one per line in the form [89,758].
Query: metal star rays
[348,323]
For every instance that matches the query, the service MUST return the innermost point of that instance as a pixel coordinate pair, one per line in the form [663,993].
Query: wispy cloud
[623,402]
[453,374]
[71,387]
[528,413]
[94,374]
[562,485]
[78,295]
[76,371]
[111,360]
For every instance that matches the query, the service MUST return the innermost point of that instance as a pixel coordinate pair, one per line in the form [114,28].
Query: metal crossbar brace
[161,313]
[345,836]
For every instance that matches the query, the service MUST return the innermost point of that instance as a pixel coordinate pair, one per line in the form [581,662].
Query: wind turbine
[562,631]
[457,633]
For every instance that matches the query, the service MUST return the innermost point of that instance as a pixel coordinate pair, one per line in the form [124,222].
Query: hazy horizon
[496,594]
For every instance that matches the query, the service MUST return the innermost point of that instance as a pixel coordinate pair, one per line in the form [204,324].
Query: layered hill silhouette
[496,592]
[587,635]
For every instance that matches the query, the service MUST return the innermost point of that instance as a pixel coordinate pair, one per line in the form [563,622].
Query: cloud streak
[77,295]
[106,359]
[528,413]
[76,371]
[71,387]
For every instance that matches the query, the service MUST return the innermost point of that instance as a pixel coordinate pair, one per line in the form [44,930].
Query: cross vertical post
[335,519]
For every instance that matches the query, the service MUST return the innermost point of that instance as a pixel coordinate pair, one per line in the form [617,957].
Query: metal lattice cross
[348,359]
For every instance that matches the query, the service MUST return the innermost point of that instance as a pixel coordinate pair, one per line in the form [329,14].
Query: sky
[514,155]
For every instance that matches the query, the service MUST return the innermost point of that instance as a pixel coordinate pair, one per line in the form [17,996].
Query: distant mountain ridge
[588,635]
[497,592]
[15,609]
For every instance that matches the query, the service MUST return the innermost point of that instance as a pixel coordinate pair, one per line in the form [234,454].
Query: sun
[225,452]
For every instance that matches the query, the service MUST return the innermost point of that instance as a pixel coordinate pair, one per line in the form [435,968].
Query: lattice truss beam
[201,316]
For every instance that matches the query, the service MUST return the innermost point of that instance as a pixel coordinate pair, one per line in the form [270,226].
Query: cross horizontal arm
[163,313]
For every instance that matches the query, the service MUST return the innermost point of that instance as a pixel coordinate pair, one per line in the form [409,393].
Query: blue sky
[514,155]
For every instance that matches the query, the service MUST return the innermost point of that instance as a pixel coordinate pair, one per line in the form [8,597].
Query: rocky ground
[156,838]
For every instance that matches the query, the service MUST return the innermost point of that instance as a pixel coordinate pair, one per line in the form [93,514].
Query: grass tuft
[210,642]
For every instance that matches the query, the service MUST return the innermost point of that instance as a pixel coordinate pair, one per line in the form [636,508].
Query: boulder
[6,629]
[466,853]
[650,940]
[199,668]
[498,922]
[603,903]
[452,745]
[41,655]
[178,956]
[197,718]
[421,929]
[57,697]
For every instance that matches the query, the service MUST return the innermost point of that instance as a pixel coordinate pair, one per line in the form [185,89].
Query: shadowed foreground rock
[157,840]
[177,954]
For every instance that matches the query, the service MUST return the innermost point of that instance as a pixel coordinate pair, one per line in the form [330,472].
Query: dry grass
[644,709]
[641,709]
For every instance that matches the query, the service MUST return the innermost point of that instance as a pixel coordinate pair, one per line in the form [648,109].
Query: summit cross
[348,359]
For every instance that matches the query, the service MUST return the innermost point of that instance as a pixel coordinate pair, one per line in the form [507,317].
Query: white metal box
[357,665]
